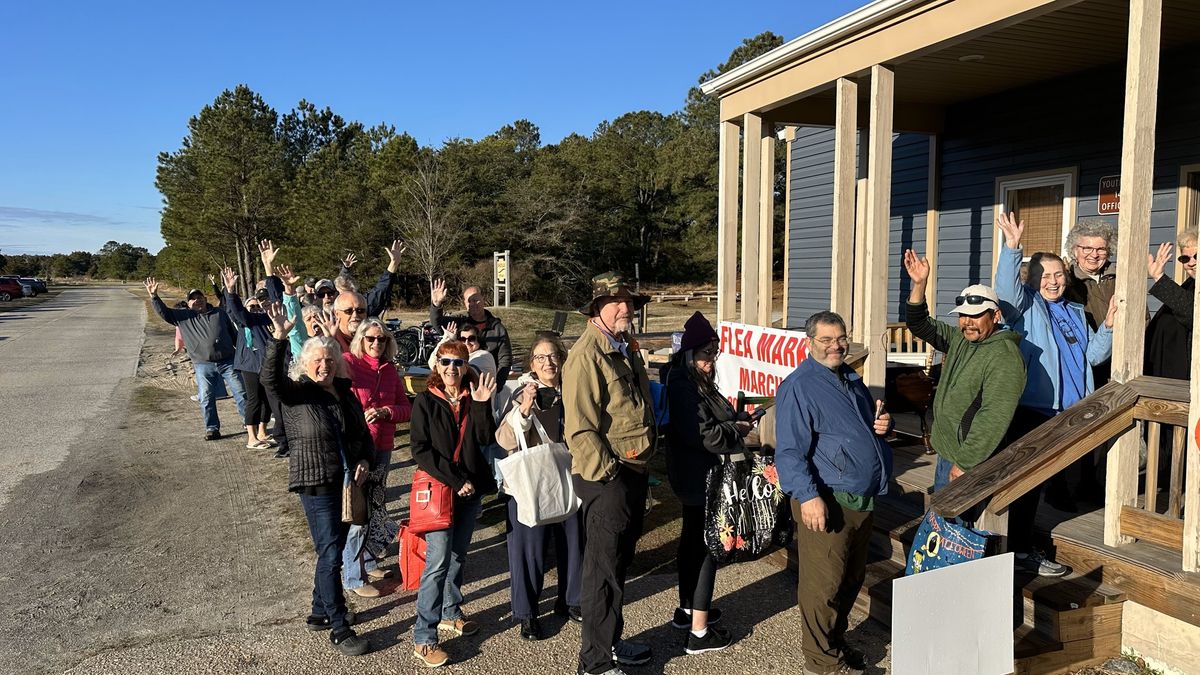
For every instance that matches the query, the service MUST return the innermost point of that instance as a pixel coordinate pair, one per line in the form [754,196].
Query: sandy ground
[147,549]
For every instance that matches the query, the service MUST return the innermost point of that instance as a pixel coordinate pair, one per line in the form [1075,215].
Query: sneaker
[631,653]
[318,623]
[460,626]
[1038,563]
[366,591]
[349,643]
[433,656]
[212,435]
[614,670]
[842,669]
[683,620]
[281,454]
[853,658]
[713,641]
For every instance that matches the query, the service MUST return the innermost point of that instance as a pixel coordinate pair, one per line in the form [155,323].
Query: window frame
[1067,177]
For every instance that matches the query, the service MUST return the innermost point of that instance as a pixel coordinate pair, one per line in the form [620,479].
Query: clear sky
[91,92]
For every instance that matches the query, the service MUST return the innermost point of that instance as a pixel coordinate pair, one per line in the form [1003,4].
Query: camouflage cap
[612,285]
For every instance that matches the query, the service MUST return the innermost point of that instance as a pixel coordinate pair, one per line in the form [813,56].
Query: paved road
[59,361]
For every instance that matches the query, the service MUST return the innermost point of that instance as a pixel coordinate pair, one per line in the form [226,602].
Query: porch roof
[942,52]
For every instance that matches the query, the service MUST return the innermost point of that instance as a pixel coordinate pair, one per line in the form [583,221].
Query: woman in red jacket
[377,384]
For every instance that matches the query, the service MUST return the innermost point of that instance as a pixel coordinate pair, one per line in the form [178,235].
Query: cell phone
[757,414]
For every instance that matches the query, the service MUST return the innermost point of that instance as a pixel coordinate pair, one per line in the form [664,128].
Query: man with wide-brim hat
[609,425]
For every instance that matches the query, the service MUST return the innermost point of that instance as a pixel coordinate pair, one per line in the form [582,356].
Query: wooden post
[1137,183]
[727,221]
[932,196]
[858,323]
[789,135]
[841,281]
[766,227]
[752,133]
[879,207]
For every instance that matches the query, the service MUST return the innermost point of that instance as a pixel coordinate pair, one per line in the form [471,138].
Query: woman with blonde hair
[451,424]
[377,384]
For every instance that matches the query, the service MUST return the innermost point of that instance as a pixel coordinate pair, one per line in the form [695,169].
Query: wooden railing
[1157,405]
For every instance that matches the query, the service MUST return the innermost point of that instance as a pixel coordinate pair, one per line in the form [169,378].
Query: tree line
[114,260]
[640,190]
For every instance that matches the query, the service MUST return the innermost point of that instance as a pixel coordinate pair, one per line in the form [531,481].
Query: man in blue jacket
[833,462]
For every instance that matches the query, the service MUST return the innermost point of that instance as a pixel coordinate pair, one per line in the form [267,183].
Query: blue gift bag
[941,543]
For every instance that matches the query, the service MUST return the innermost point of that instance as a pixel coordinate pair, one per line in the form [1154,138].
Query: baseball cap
[323,285]
[194,291]
[976,299]
[261,295]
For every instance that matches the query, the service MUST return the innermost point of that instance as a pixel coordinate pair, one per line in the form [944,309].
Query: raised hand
[212,280]
[230,278]
[151,286]
[1111,317]
[482,391]
[1155,264]
[349,261]
[918,268]
[393,255]
[452,330]
[289,279]
[329,323]
[280,324]
[437,292]
[267,251]
[1012,229]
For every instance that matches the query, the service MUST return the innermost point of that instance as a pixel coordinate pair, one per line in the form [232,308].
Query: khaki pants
[832,566]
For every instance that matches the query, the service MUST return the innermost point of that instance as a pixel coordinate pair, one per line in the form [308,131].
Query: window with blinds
[1041,208]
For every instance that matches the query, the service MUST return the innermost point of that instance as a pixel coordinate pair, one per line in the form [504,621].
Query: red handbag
[411,558]
[430,501]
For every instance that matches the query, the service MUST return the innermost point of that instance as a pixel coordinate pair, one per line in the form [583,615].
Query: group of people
[316,358]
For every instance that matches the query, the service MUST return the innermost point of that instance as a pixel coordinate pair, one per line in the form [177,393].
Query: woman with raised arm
[451,423]
[330,443]
[1169,335]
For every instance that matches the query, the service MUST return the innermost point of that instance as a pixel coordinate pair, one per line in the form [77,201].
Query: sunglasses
[1185,259]
[354,311]
[711,352]
[375,338]
[469,338]
[457,363]
[971,300]
[325,293]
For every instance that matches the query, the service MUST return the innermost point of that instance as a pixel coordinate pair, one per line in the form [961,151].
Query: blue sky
[92,92]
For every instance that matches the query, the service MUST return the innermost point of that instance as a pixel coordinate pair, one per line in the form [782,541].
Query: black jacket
[314,419]
[434,435]
[1169,335]
[493,336]
[701,427]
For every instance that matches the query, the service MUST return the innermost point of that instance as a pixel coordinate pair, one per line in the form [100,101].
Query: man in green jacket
[608,419]
[983,374]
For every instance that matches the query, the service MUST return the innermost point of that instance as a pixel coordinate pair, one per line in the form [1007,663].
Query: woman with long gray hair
[703,427]
[329,440]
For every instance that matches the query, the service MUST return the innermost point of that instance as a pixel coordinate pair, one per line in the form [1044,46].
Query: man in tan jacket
[609,423]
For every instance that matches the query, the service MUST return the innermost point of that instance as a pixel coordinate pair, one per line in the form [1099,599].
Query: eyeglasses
[711,352]
[326,293]
[1185,259]
[375,338]
[843,341]
[546,358]
[354,311]
[469,338]
[457,363]
[1091,250]
[971,300]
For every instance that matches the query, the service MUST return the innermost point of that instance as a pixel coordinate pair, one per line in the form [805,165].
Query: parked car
[10,289]
[35,284]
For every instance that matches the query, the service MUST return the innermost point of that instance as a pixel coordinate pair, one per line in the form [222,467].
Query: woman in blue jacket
[253,335]
[1060,351]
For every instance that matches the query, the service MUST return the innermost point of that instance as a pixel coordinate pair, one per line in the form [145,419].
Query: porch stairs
[1065,624]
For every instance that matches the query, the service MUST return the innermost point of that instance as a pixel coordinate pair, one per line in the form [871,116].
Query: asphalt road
[59,361]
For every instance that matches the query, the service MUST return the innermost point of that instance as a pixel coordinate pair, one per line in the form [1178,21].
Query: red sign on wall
[1109,200]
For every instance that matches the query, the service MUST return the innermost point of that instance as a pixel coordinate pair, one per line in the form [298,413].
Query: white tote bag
[539,478]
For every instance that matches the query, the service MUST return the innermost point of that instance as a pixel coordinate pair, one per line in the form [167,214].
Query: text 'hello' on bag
[539,479]
[430,501]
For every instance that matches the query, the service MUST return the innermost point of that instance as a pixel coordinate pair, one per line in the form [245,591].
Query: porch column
[932,214]
[789,135]
[727,221]
[841,281]
[879,207]
[766,226]
[1133,224]
[752,146]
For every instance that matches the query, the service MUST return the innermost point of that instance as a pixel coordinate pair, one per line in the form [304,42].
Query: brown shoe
[460,626]
[379,573]
[366,591]
[433,656]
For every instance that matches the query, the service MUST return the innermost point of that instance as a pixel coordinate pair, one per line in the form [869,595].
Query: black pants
[697,569]
[527,562]
[613,513]
[1023,511]
[258,411]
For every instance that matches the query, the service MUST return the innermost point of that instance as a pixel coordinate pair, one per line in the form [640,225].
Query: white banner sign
[755,360]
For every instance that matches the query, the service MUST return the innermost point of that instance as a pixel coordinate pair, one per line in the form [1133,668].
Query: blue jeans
[324,514]
[207,377]
[356,559]
[941,478]
[440,594]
